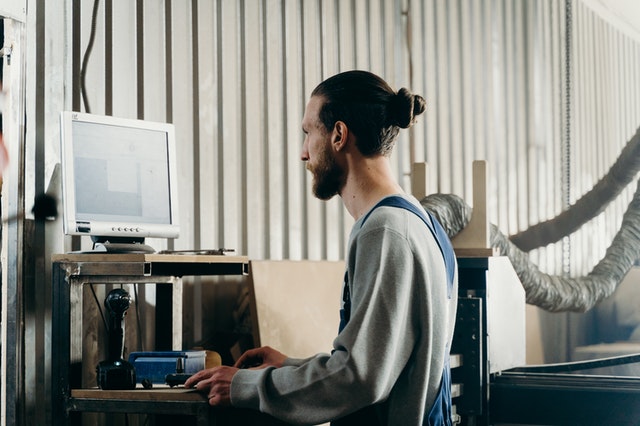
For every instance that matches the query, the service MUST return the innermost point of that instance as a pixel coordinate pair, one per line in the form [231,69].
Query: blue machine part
[155,366]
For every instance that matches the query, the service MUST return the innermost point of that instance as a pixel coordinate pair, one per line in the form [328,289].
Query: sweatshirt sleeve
[369,354]
[296,362]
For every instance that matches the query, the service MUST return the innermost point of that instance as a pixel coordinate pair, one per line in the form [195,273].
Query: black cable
[95,297]
[140,339]
[87,53]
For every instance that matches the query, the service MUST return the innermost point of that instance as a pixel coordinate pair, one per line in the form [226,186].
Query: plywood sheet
[297,304]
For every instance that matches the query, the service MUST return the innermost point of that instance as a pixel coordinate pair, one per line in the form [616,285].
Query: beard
[328,176]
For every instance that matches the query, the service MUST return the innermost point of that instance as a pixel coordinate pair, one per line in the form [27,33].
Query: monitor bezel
[114,228]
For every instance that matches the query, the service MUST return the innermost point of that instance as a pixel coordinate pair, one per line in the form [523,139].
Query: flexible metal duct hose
[551,292]
[621,173]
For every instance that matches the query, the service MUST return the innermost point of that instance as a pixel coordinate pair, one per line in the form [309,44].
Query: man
[389,364]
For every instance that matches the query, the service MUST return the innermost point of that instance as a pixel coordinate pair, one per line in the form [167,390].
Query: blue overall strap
[434,226]
[345,312]
[436,230]
[441,411]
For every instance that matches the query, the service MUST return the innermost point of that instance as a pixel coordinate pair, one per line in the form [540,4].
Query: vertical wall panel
[295,226]
[329,18]
[183,62]
[537,94]
[12,351]
[275,141]
[123,59]
[229,201]
[376,31]
[466,98]
[429,77]
[332,219]
[253,144]
[361,34]
[312,49]
[443,98]
[208,125]
[454,63]
[416,69]
[500,84]
[153,57]
[524,45]
[345,23]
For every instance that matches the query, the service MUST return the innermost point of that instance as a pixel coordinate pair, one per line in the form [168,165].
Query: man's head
[369,107]
[362,105]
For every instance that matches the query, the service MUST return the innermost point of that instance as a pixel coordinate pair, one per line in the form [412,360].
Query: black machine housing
[115,373]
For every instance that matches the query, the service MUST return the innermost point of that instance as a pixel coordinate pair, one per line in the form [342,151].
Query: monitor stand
[120,245]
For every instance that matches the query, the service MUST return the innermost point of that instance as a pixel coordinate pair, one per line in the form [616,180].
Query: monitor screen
[118,178]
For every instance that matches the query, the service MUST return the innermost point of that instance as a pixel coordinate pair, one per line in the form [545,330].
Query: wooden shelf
[70,273]
[141,394]
[143,257]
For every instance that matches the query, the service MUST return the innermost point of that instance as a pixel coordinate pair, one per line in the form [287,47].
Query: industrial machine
[492,384]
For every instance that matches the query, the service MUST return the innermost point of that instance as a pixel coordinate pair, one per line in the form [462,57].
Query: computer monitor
[119,181]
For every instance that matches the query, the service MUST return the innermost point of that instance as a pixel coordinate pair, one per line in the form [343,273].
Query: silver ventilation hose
[551,292]
[621,174]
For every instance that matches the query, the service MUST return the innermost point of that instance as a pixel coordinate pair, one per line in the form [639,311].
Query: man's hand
[215,382]
[261,358]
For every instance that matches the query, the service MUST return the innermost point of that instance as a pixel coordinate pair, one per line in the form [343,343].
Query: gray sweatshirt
[393,349]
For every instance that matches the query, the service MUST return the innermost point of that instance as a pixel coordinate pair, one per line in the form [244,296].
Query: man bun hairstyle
[371,109]
[406,107]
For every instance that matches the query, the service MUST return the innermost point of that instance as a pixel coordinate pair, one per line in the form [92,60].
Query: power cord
[138,322]
[87,53]
[95,297]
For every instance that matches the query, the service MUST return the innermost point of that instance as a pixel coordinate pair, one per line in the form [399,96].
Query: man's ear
[340,136]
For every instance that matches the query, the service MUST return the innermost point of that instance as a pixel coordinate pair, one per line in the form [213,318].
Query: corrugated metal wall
[234,77]
[605,94]
[604,112]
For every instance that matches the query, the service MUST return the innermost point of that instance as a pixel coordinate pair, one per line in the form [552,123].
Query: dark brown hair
[371,109]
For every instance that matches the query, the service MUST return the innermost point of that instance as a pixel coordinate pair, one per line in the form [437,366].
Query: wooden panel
[298,304]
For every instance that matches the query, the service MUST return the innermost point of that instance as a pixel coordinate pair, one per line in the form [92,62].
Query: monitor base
[120,245]
[108,247]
